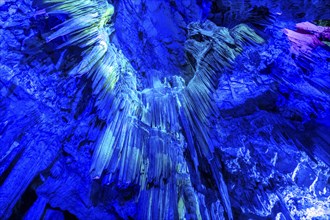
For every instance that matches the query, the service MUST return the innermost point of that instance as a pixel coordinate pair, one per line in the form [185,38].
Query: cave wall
[269,132]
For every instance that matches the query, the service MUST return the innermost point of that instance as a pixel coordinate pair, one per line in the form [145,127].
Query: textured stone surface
[179,114]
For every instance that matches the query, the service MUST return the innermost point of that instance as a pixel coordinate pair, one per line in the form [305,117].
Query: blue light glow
[193,109]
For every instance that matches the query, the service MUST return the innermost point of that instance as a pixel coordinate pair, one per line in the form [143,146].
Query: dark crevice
[24,203]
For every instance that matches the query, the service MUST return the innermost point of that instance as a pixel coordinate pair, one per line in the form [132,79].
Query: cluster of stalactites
[148,131]
[88,27]
[214,49]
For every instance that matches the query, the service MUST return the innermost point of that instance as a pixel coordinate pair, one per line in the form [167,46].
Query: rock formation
[164,109]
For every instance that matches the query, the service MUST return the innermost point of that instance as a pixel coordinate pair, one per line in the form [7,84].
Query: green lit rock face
[87,27]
